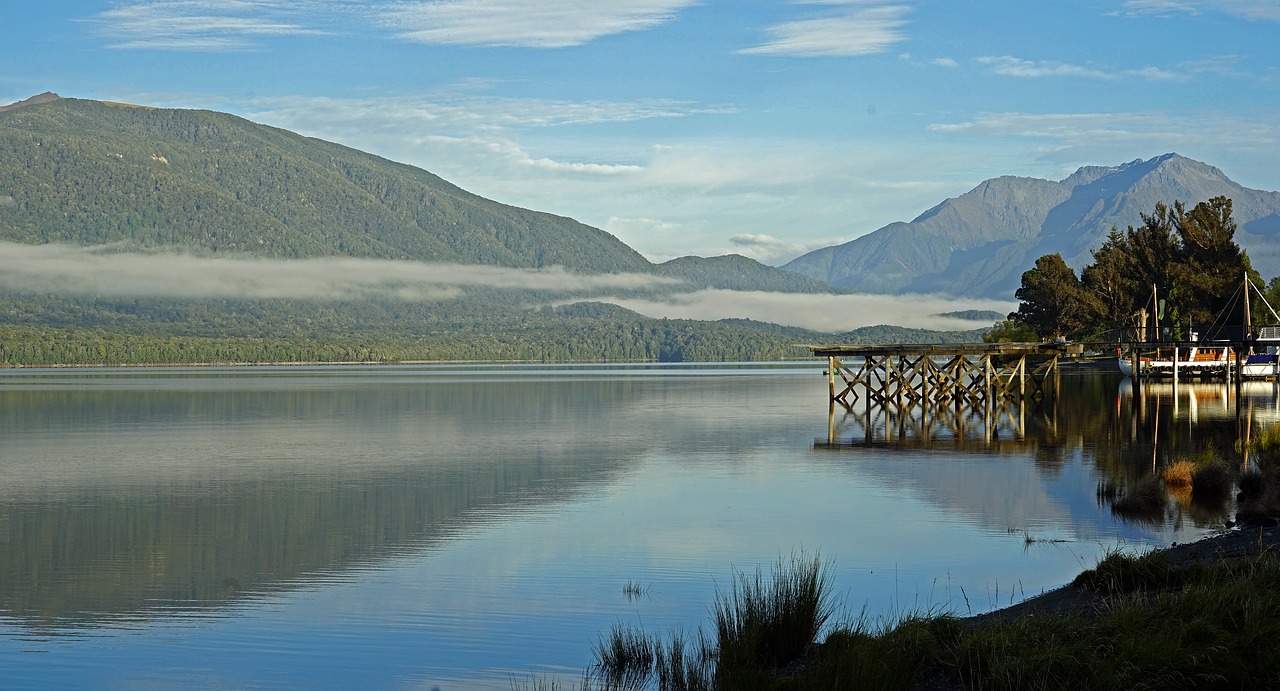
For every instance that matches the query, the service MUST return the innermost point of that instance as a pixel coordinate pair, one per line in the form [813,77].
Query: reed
[1144,501]
[1178,475]
[763,624]
[1259,500]
[1211,483]
[1158,626]
[625,657]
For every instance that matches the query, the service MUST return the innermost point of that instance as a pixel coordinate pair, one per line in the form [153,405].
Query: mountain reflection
[139,495]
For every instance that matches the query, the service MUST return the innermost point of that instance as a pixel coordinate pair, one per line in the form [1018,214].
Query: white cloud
[80,270]
[827,313]
[767,248]
[1106,129]
[855,29]
[543,24]
[1011,66]
[1261,10]
[944,62]
[201,25]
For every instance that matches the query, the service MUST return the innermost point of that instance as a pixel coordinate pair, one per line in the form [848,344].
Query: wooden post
[831,376]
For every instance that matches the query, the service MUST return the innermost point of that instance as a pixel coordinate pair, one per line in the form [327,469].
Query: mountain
[978,244]
[92,173]
[736,272]
[87,172]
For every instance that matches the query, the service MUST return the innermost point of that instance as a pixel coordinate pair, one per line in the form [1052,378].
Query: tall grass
[1156,626]
[760,626]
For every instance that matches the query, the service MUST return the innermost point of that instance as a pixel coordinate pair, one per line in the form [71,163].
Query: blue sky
[697,127]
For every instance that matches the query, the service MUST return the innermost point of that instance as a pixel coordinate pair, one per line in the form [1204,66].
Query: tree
[1054,303]
[1211,267]
[1189,259]
[1010,331]
[1113,282]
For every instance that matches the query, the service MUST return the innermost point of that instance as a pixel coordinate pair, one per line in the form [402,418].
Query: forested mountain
[90,173]
[978,244]
[136,179]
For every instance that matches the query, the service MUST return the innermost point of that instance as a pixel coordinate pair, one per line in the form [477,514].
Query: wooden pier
[969,373]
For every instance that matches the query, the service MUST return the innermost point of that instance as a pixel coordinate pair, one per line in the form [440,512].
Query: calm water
[458,528]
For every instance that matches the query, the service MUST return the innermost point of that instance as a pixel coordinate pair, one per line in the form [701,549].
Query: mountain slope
[978,244]
[87,172]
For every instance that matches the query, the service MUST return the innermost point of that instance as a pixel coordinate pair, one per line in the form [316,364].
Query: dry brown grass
[1178,475]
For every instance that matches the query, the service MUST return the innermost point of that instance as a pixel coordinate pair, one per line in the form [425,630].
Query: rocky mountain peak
[34,100]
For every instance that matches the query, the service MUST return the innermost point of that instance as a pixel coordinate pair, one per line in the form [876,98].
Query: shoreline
[1231,545]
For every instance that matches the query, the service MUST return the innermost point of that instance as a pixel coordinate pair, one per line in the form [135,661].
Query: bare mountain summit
[978,244]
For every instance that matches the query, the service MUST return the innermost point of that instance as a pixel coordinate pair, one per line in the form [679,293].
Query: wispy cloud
[1089,137]
[202,25]
[519,23]
[827,313]
[857,27]
[1261,10]
[78,270]
[1011,66]
[769,249]
[478,128]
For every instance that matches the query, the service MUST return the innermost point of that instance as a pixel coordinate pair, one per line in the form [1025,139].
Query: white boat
[1202,363]
[1213,361]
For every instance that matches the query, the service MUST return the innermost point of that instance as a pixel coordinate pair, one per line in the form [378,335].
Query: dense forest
[55,329]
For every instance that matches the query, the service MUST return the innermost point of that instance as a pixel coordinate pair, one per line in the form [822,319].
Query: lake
[467,527]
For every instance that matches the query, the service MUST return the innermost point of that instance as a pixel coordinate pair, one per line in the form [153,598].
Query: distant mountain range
[978,244]
[92,173]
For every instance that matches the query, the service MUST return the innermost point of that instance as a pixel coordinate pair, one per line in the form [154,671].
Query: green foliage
[1054,303]
[92,173]
[884,333]
[1189,258]
[1011,331]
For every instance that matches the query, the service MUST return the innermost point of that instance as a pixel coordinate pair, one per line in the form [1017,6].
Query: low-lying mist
[75,270]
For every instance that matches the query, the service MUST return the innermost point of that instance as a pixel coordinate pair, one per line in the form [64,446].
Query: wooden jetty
[967,373]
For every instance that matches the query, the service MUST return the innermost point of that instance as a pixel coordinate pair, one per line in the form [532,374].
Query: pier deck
[968,373]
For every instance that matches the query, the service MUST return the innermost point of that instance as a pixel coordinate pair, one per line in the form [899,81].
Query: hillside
[90,173]
[93,173]
[978,244]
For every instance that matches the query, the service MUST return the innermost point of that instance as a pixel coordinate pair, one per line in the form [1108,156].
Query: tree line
[1180,268]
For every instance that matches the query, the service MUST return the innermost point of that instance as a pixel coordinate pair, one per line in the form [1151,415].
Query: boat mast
[1248,316]
[1155,312]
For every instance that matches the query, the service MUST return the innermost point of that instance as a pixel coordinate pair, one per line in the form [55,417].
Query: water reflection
[1130,437]
[126,495]
[451,527]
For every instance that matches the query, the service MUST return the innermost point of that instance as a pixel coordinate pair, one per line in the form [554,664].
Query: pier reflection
[957,425]
[1128,436]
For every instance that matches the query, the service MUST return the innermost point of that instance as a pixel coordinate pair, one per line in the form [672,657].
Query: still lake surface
[463,527]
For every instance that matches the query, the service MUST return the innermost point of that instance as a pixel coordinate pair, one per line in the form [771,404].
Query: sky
[703,127]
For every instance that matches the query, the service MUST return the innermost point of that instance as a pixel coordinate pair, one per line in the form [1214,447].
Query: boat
[1211,360]
[1216,362]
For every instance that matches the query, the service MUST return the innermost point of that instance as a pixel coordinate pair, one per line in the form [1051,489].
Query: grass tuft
[1178,475]
[764,624]
[1144,502]
[1211,484]
[1259,499]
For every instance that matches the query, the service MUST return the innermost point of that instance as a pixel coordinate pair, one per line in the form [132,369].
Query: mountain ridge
[93,172]
[979,243]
